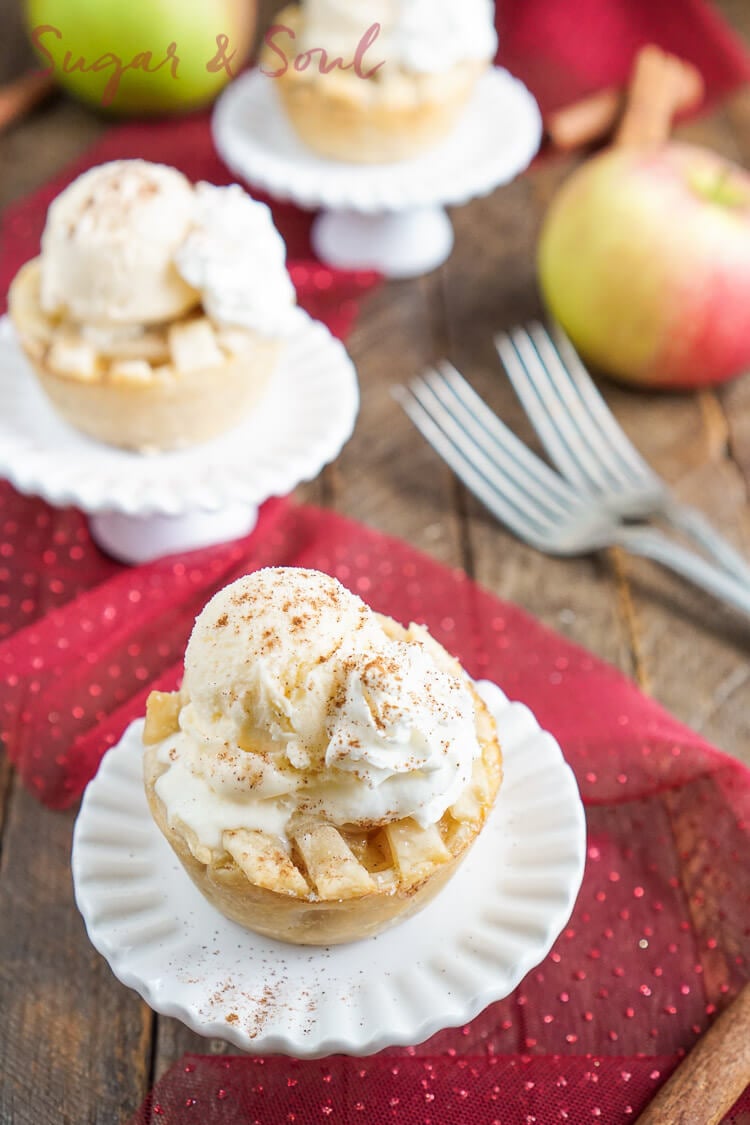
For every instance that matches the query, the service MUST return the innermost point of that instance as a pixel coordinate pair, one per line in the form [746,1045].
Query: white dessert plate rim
[496,919]
[496,137]
[306,416]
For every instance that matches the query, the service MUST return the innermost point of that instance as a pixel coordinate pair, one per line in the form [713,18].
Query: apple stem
[661,85]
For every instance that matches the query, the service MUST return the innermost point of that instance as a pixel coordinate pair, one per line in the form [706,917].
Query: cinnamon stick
[661,86]
[588,120]
[709,1081]
[19,97]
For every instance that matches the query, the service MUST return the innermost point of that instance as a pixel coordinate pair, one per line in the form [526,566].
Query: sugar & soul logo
[118,66]
[318,55]
[44,36]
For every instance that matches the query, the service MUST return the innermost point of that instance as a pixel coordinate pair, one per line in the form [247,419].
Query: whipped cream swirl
[236,259]
[426,36]
[405,737]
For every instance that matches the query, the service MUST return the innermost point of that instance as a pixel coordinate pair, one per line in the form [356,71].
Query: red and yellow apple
[142,56]
[644,259]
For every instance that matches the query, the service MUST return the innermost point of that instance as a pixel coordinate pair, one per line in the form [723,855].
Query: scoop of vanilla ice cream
[425,36]
[296,700]
[264,659]
[109,243]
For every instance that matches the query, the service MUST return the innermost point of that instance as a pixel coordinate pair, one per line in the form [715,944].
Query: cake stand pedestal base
[386,217]
[140,539]
[398,244]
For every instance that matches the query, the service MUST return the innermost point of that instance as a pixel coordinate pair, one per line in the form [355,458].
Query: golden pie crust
[391,116]
[175,385]
[331,885]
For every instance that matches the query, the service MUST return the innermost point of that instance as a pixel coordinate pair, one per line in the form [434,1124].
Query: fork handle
[694,524]
[652,544]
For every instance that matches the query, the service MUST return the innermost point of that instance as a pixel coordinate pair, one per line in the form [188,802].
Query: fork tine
[602,442]
[526,374]
[605,421]
[581,432]
[493,436]
[563,400]
[560,412]
[551,399]
[422,407]
[504,474]
[494,502]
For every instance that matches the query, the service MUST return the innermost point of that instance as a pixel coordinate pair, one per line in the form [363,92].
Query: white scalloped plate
[496,919]
[304,419]
[495,139]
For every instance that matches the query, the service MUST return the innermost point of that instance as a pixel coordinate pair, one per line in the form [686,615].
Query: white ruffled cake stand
[142,507]
[495,920]
[387,217]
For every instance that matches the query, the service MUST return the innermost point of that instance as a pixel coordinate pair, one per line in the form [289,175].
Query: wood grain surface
[77,1047]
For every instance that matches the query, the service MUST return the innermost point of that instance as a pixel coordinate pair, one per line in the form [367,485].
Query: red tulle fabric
[658,941]
[464,1089]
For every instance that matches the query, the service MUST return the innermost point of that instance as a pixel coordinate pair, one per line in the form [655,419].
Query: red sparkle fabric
[420,1090]
[659,938]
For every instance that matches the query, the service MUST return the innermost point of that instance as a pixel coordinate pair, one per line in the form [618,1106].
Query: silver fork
[524,493]
[586,443]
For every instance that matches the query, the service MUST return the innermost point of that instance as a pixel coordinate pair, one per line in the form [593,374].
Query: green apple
[142,56]
[644,259]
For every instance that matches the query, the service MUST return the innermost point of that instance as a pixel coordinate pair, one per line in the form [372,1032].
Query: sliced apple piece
[162,716]
[193,345]
[131,372]
[73,358]
[265,862]
[331,864]
[416,850]
[471,804]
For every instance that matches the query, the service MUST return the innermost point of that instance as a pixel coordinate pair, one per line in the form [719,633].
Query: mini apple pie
[322,771]
[373,96]
[156,311]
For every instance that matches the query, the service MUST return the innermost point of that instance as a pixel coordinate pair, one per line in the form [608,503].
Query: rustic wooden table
[75,1045]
